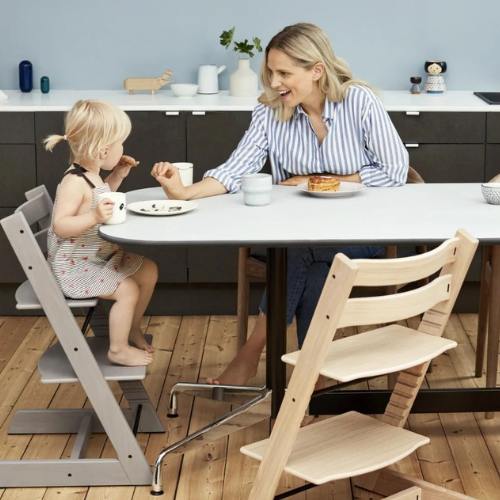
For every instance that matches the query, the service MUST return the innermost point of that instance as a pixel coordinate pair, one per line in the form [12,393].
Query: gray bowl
[491,192]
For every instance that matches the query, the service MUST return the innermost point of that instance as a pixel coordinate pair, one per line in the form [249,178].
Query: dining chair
[73,358]
[251,269]
[353,445]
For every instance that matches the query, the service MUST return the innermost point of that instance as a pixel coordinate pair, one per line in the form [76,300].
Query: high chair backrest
[38,210]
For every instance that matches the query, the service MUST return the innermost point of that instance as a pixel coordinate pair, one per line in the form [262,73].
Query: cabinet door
[438,128]
[492,161]
[50,166]
[448,162]
[17,173]
[17,128]
[493,128]
[155,137]
[211,138]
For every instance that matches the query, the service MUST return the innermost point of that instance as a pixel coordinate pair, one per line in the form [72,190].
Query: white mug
[119,208]
[185,172]
[257,189]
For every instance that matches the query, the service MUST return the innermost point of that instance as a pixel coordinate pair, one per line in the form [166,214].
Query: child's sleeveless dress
[86,265]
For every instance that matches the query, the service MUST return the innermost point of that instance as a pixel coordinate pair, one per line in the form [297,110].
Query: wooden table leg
[493,322]
[276,325]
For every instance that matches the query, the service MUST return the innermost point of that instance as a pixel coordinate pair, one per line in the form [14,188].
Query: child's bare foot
[137,339]
[130,356]
[238,372]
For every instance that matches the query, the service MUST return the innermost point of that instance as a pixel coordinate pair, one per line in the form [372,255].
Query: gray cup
[257,189]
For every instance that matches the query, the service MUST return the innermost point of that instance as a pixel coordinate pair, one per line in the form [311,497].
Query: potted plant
[244,81]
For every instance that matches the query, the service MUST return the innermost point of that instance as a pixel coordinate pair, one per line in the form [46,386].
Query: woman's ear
[318,69]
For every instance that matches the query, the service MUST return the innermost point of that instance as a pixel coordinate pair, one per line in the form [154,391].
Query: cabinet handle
[412,145]
[171,113]
[198,113]
[412,113]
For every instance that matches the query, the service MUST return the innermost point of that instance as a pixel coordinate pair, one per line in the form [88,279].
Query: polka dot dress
[88,266]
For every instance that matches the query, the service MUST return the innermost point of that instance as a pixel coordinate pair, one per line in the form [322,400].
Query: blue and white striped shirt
[360,139]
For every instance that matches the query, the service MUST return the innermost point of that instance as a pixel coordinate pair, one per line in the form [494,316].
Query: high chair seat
[371,353]
[26,299]
[324,451]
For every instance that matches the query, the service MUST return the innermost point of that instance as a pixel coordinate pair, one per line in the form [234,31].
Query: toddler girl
[84,264]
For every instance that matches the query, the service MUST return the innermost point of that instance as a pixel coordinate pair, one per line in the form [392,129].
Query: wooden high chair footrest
[344,446]
[55,368]
[385,350]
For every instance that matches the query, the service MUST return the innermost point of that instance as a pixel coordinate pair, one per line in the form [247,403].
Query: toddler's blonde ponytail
[52,140]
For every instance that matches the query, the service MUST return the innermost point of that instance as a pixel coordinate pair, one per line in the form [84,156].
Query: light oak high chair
[353,445]
[75,358]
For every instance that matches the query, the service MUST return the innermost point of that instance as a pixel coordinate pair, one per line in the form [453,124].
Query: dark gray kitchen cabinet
[211,138]
[17,173]
[440,127]
[17,128]
[448,162]
[444,147]
[155,137]
[50,165]
[492,166]
[493,128]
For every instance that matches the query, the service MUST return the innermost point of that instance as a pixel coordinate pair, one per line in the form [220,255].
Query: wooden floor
[464,454]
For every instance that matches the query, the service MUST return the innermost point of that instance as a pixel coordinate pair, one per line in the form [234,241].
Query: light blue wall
[95,44]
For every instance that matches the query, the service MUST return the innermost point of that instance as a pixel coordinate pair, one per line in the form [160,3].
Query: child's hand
[104,210]
[167,175]
[122,168]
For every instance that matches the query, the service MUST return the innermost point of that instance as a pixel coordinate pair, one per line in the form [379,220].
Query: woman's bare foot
[130,356]
[137,339]
[238,372]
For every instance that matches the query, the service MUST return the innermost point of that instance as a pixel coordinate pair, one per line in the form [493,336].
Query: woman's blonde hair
[307,45]
[89,127]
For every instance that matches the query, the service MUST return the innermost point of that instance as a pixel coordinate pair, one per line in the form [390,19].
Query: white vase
[243,82]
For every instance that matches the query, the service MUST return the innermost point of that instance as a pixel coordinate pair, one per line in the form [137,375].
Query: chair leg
[242,297]
[482,324]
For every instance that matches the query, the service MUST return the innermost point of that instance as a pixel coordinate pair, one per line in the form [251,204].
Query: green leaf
[226,37]
[244,47]
[257,44]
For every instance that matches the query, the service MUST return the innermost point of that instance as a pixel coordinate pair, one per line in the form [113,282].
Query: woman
[312,118]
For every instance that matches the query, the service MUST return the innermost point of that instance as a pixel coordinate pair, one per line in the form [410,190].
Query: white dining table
[413,213]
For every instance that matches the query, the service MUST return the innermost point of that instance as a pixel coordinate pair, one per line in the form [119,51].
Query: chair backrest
[38,210]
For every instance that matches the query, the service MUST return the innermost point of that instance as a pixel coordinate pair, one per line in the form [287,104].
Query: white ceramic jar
[244,81]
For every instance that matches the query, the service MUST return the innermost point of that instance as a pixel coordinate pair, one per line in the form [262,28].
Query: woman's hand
[295,181]
[168,177]
[122,168]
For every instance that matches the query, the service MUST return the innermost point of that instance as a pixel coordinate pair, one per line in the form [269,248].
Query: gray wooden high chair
[74,358]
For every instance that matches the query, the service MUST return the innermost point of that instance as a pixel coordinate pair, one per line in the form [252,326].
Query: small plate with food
[326,186]
[162,207]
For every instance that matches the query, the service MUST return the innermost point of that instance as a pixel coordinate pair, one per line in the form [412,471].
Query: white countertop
[62,100]
[425,213]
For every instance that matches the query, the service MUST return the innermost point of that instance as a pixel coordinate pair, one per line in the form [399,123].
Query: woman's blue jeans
[307,269]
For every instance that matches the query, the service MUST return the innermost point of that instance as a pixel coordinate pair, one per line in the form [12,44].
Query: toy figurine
[415,84]
[435,83]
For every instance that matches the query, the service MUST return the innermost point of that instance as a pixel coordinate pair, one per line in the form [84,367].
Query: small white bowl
[491,192]
[184,89]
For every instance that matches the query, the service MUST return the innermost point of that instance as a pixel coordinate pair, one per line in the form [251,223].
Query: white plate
[345,189]
[162,207]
